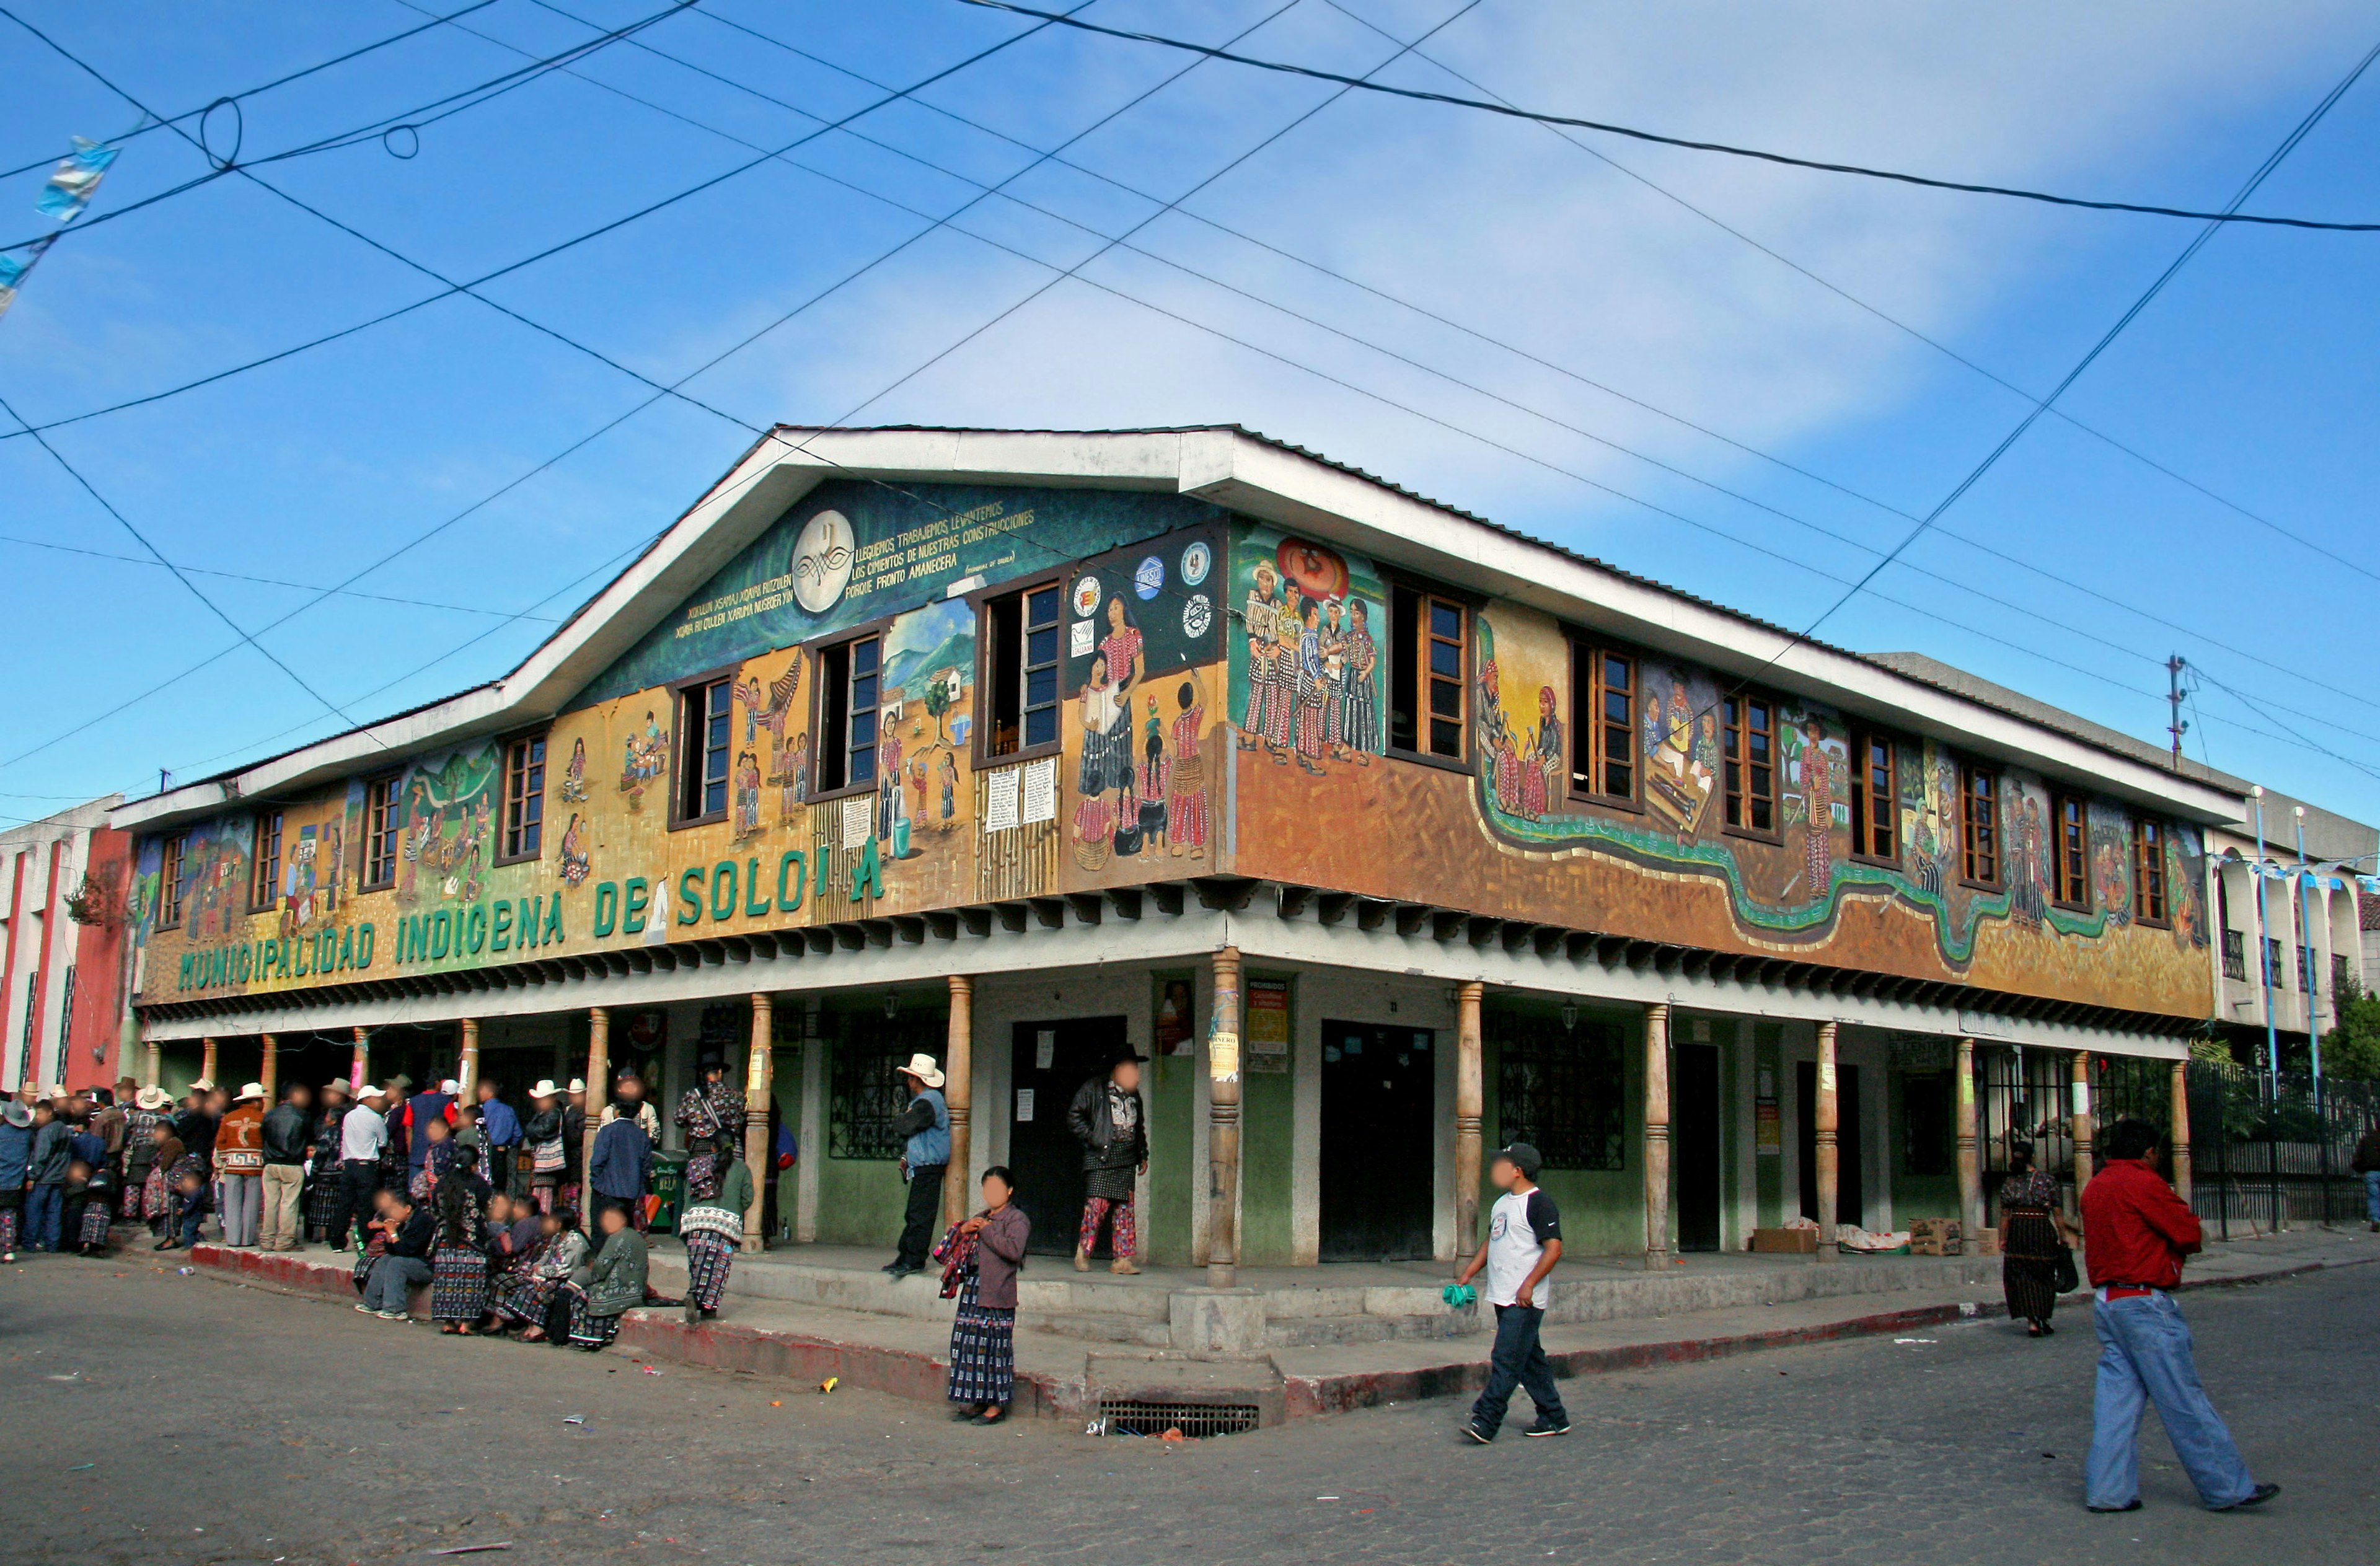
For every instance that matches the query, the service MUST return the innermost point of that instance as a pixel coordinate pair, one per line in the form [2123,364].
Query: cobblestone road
[155,1418]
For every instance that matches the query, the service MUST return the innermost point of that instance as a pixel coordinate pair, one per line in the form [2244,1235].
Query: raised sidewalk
[1331,1338]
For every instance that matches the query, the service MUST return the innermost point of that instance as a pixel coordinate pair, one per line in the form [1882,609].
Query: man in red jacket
[2135,1234]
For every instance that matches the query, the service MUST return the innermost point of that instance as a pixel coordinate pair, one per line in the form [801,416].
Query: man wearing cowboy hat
[363,1131]
[151,1106]
[240,1165]
[927,1123]
[16,1162]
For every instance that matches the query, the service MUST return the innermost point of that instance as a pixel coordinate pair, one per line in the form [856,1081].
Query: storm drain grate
[1136,1416]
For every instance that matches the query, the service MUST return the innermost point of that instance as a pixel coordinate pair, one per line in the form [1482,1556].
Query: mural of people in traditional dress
[573,776]
[1186,812]
[576,863]
[644,758]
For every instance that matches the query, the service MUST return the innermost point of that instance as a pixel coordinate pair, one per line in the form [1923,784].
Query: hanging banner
[75,181]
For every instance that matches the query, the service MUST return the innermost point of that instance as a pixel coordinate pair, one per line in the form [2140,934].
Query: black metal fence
[2266,1152]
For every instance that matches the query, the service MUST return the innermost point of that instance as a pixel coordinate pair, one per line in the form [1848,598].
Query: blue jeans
[44,1210]
[1517,1361]
[2145,1354]
[393,1279]
[2371,1197]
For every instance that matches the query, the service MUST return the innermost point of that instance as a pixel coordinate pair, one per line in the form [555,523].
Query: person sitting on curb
[1523,1242]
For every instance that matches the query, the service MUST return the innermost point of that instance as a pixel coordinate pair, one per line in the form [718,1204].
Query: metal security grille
[864,1095]
[1136,1416]
[1563,1090]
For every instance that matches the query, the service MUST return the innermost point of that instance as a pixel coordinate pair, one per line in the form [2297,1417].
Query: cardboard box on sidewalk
[1789,1242]
[1936,1238]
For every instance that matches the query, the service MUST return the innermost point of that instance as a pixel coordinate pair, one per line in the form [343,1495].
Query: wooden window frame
[1997,827]
[819,654]
[2148,835]
[985,673]
[385,784]
[1465,605]
[2057,855]
[1729,762]
[173,850]
[1860,797]
[683,738]
[506,828]
[1591,732]
[263,890]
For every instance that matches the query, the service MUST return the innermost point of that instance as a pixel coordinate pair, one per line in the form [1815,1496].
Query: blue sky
[2250,378]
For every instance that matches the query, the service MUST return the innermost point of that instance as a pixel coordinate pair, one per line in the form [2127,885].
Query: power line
[410,119]
[234,98]
[2294,734]
[1506,110]
[213,607]
[243,576]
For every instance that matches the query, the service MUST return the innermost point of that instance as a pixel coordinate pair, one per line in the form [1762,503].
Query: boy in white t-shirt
[1523,1242]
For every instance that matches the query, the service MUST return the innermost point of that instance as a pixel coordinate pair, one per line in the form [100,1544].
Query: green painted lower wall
[1268,1119]
[1602,1210]
[1173,1087]
[1768,1168]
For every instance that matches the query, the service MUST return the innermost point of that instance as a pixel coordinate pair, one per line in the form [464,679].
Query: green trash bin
[668,1184]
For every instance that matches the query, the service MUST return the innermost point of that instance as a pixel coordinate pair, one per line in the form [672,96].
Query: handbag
[546,1157]
[2062,1274]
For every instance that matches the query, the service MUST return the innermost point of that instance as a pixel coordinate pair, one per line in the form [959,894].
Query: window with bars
[1979,826]
[865,1095]
[2275,972]
[1602,724]
[264,863]
[1020,635]
[1563,1090]
[2148,871]
[1426,674]
[1748,741]
[2235,956]
[849,680]
[1876,799]
[524,799]
[706,724]
[380,832]
[2071,875]
[169,881]
[2338,974]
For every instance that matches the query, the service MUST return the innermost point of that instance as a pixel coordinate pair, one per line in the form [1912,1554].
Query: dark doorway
[1379,1089]
[1694,1139]
[1848,1160]
[1050,1062]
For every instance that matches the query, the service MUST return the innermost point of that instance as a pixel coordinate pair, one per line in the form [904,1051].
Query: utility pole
[2174,725]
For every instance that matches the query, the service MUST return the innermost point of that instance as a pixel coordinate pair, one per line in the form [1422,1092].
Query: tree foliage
[2351,1049]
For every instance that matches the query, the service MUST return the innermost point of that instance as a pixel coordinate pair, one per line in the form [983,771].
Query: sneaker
[2256,1496]
[1472,1428]
[365,1310]
[1545,1426]
[2131,1505]
[392,1316]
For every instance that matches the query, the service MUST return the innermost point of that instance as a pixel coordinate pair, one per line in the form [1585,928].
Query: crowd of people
[433,1186]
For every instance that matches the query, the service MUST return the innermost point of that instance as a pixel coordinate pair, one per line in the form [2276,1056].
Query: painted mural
[1309,686]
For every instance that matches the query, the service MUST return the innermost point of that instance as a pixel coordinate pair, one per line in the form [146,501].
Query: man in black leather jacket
[1111,1123]
[288,1136]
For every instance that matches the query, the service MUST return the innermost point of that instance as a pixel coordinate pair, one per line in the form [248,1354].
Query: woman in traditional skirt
[983,1333]
[157,1186]
[711,1226]
[140,1122]
[615,1283]
[458,1265]
[524,1298]
[1361,721]
[322,1167]
[2031,1229]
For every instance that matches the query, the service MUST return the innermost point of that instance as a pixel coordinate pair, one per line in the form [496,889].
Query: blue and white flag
[75,180]
[15,264]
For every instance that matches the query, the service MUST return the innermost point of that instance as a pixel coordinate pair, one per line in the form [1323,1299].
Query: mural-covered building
[1387,834]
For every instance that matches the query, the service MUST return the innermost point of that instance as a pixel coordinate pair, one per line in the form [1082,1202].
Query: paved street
[153,1417]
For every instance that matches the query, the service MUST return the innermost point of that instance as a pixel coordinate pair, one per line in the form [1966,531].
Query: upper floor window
[1426,674]
[1748,752]
[2148,871]
[2070,853]
[704,724]
[379,831]
[523,798]
[264,884]
[169,883]
[1979,825]
[1021,670]
[849,680]
[1876,798]
[1602,723]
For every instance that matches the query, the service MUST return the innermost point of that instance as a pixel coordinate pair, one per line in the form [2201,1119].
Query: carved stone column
[360,1063]
[466,1069]
[1827,1124]
[2179,1139]
[207,1061]
[598,1087]
[2082,1123]
[1470,1098]
[268,1072]
[1970,1167]
[1223,1122]
[1657,1135]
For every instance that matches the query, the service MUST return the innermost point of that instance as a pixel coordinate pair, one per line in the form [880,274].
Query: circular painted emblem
[1086,596]
[1196,615]
[1148,580]
[1195,562]
[822,558]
